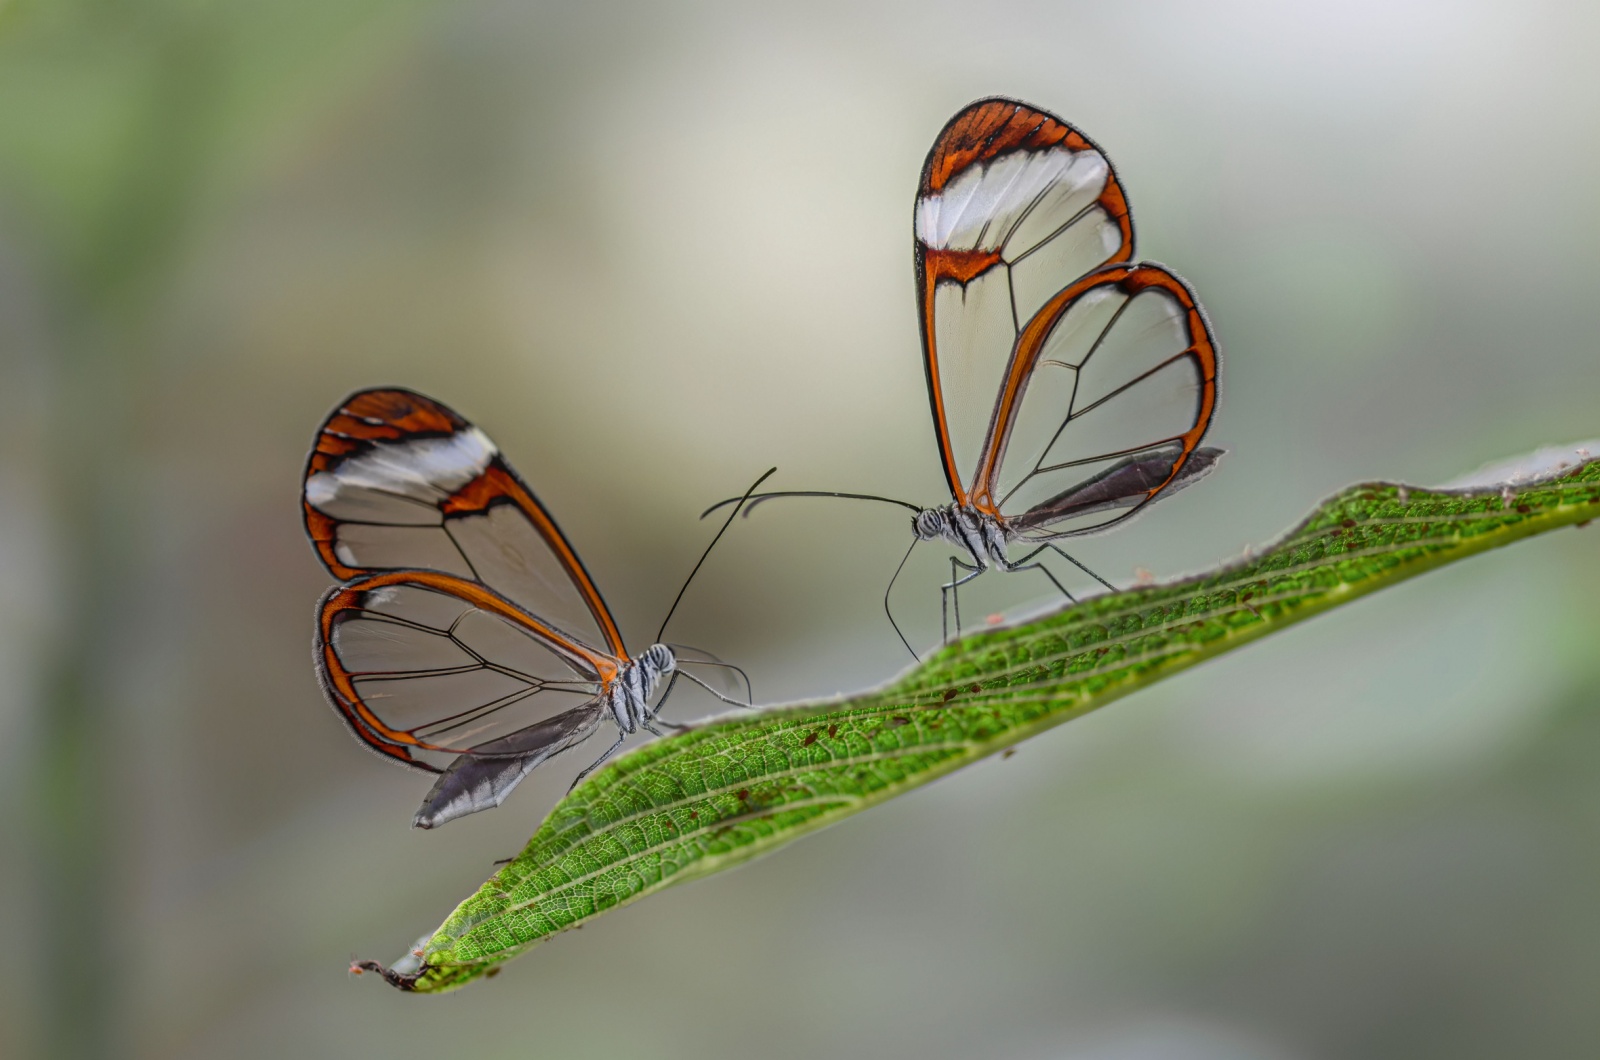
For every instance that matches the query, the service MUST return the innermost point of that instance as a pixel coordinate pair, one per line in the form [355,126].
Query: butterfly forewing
[1013,205]
[398,481]
[1113,381]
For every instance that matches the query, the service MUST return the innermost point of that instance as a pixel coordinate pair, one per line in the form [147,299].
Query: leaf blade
[712,797]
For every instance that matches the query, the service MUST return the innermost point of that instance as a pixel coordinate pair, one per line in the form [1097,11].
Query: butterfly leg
[1058,551]
[598,762]
[655,711]
[1023,564]
[951,590]
[672,726]
[718,695]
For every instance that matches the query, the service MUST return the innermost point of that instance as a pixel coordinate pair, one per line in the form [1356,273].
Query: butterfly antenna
[756,498]
[679,598]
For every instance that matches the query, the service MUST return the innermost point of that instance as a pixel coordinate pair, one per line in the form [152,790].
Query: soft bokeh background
[654,249]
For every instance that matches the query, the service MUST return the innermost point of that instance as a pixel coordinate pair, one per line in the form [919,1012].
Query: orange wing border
[979,133]
[1024,359]
[338,685]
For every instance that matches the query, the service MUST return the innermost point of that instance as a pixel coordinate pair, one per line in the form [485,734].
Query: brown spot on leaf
[832,729]
[811,738]
[899,720]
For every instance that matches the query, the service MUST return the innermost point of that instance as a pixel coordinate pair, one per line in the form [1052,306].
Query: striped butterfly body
[466,637]
[1070,387]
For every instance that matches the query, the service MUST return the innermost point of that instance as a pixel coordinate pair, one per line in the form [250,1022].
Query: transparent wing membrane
[505,549]
[1090,241]
[367,546]
[974,328]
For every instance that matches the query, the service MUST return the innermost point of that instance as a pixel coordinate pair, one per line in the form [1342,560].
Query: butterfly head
[931,524]
[657,660]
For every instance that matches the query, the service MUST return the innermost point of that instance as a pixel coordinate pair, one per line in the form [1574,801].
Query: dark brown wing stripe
[990,128]
[379,416]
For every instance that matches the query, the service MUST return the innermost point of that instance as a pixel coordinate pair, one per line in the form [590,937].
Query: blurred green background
[654,249]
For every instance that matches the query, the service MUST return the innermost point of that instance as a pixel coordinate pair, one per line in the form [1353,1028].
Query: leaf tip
[392,976]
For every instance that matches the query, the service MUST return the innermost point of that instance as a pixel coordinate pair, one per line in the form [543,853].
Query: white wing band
[424,469]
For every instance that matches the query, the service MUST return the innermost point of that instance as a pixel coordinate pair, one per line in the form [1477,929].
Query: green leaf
[710,798]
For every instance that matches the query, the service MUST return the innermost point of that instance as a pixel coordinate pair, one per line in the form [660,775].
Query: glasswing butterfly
[1070,386]
[466,638]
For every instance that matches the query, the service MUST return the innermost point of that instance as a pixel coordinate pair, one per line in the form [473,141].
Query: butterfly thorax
[979,533]
[628,694]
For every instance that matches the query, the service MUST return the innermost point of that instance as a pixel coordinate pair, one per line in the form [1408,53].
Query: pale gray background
[654,249]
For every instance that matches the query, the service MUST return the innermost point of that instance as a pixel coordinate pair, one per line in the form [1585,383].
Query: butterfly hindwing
[425,666]
[1109,391]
